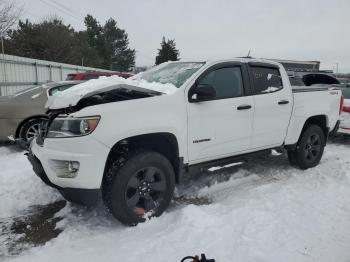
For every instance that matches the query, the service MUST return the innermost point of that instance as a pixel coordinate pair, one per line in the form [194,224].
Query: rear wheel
[142,187]
[30,129]
[309,149]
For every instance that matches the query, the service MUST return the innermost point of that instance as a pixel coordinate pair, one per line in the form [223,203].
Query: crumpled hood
[105,90]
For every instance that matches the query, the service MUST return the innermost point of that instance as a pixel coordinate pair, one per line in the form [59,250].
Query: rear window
[88,77]
[266,80]
[58,89]
[71,76]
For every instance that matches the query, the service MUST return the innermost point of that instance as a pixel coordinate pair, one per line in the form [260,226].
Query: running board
[226,162]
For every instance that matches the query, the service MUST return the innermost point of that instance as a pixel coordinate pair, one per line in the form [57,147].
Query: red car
[94,75]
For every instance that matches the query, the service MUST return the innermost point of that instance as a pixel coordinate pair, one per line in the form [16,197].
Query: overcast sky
[209,29]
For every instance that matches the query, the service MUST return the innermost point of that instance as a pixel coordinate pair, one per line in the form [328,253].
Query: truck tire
[139,187]
[310,147]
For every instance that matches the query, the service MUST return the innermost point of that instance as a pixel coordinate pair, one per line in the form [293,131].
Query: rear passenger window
[266,80]
[227,82]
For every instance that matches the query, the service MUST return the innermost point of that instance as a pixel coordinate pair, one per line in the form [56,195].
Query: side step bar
[225,161]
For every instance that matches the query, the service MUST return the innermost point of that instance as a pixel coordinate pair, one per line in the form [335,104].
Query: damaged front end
[74,101]
[111,94]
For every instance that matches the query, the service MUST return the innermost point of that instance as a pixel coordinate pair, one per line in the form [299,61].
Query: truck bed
[322,100]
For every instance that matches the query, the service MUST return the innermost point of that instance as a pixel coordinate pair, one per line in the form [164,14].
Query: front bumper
[90,154]
[88,197]
[84,188]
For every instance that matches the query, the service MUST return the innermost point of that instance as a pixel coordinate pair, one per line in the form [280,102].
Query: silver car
[22,113]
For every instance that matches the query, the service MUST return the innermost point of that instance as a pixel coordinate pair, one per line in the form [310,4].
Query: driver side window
[226,81]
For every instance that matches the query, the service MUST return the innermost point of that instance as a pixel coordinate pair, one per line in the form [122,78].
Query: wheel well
[26,121]
[163,143]
[320,120]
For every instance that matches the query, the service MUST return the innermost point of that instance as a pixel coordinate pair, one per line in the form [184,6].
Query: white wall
[18,73]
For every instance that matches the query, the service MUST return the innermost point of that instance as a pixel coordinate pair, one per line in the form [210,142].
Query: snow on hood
[71,96]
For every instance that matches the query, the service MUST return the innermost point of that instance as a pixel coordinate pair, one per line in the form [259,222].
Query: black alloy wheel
[138,186]
[145,190]
[309,149]
[312,147]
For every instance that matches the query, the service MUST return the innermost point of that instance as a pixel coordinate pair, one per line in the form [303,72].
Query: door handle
[244,107]
[283,102]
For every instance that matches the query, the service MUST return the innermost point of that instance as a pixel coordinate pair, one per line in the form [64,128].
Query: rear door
[273,105]
[223,125]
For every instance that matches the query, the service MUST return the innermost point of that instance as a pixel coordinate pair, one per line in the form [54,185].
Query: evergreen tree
[94,38]
[111,43]
[84,52]
[98,46]
[167,51]
[50,40]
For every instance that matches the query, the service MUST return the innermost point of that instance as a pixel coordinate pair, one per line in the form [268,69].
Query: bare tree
[9,14]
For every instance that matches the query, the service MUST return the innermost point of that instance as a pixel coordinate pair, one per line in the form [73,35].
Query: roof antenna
[248,56]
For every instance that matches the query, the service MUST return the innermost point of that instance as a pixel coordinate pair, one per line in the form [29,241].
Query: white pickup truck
[132,140]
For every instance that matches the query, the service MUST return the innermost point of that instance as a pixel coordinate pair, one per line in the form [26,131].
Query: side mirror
[202,92]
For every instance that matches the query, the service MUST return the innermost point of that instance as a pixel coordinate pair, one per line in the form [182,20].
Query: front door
[221,126]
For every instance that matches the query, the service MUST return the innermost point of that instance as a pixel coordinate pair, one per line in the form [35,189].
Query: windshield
[171,73]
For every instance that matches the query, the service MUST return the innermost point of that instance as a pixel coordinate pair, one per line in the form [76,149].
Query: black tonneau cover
[318,78]
[316,82]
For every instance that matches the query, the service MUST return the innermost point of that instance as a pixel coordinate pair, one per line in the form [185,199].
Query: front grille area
[44,129]
[42,132]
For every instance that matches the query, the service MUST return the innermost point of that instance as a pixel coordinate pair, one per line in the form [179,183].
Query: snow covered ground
[262,211]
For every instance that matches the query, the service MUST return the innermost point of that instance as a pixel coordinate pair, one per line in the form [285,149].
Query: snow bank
[266,211]
[19,187]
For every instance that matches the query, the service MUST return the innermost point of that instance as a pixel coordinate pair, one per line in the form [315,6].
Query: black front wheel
[309,149]
[141,187]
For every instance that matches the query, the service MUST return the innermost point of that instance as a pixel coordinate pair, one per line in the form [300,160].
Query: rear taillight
[341,104]
[346,109]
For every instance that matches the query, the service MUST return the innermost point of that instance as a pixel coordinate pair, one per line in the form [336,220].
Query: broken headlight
[71,127]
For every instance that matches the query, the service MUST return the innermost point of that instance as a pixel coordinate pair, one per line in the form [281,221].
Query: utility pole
[2,45]
[337,67]
[3,59]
